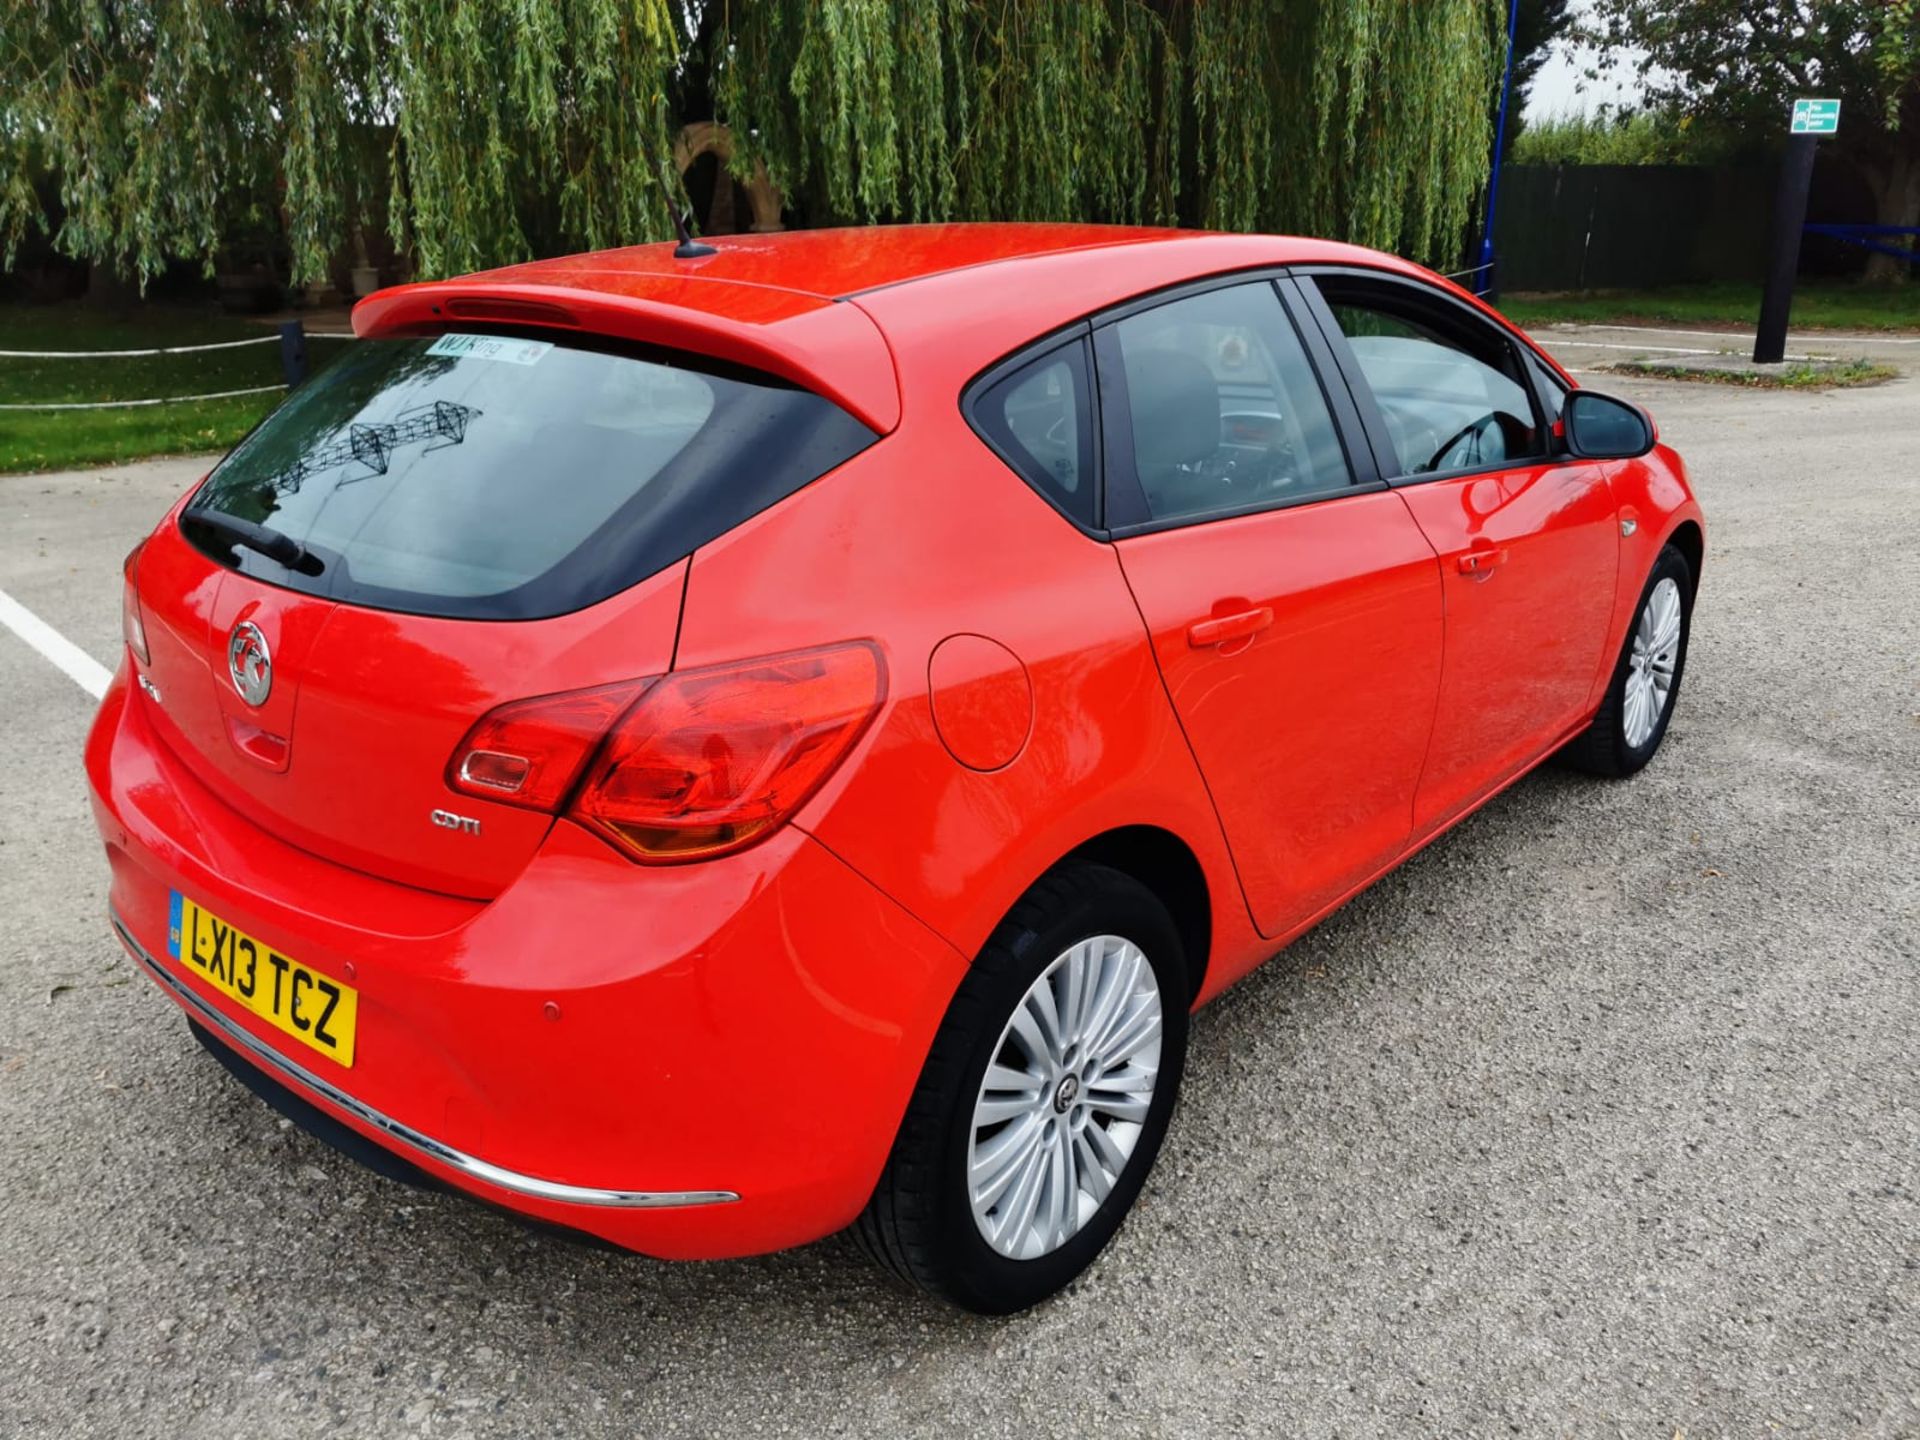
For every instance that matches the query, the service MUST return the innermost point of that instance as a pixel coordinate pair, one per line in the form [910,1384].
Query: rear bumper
[397,1134]
[694,1062]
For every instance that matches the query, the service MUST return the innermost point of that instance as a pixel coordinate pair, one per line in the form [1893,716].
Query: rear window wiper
[274,544]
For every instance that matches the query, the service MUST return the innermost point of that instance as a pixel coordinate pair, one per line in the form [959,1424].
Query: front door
[1528,542]
[1293,603]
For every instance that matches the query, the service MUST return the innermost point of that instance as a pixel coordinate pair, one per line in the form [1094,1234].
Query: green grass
[1802,375]
[64,439]
[1817,305]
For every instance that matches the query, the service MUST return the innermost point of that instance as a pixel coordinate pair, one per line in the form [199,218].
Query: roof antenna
[688,248]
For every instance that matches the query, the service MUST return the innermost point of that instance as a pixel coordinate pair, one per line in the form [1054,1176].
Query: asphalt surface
[1600,1117]
[1586,346]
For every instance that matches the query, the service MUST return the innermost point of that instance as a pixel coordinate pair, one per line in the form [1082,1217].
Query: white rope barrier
[108,354]
[129,404]
[163,350]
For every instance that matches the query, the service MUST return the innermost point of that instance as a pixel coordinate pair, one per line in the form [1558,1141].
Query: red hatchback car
[709,751]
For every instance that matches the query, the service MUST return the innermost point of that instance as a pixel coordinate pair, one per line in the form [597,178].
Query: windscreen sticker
[491,347]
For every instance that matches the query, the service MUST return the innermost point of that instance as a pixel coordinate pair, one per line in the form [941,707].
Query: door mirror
[1602,427]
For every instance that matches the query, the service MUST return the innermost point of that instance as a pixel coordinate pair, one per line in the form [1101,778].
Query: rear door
[1293,603]
[1528,540]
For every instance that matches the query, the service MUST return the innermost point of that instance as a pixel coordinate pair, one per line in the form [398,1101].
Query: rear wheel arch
[1166,865]
[928,1219]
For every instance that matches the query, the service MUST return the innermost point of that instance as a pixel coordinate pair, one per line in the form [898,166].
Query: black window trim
[1379,438]
[1126,510]
[1547,385]
[1125,504]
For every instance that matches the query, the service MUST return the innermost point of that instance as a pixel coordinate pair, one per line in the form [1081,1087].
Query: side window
[1450,389]
[1225,409]
[1040,420]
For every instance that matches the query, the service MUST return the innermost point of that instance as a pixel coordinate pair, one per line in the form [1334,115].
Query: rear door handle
[1222,628]
[1479,562]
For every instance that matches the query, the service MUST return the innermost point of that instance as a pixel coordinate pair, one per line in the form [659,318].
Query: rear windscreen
[507,477]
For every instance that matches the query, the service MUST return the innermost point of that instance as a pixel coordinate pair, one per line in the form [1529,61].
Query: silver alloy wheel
[1065,1097]
[1651,666]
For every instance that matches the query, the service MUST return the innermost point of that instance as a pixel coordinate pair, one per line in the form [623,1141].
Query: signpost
[1811,119]
[1815,117]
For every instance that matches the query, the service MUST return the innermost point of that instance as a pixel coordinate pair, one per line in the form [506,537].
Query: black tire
[919,1223]
[1603,748]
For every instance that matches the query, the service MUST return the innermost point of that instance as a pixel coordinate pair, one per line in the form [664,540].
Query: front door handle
[1479,562]
[1223,628]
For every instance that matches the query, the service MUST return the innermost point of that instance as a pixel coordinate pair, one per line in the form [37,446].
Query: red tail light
[712,760]
[530,753]
[697,764]
[131,624]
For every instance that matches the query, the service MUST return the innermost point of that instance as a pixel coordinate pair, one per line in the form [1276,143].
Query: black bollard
[293,352]
[1789,218]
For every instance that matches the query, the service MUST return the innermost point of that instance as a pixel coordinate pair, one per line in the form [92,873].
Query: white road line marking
[1572,344]
[1837,335]
[1569,343]
[81,668]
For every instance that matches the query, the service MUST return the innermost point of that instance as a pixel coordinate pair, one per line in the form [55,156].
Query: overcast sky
[1561,89]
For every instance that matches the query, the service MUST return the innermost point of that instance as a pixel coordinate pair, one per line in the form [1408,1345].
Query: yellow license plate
[316,1011]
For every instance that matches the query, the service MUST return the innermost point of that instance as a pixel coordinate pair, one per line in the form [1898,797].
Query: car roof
[823,308]
[831,264]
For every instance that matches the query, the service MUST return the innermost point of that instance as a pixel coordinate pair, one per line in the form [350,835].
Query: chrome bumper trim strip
[280,1066]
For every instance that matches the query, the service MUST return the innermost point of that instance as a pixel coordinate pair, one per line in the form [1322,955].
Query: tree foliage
[478,132]
[1658,136]
[1361,118]
[1538,26]
[471,130]
[1743,62]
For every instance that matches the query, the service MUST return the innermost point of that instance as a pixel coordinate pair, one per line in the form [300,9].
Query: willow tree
[1364,119]
[473,131]
[477,132]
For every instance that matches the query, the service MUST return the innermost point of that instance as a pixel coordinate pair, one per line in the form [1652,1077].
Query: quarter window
[1450,391]
[1040,420]
[1226,412]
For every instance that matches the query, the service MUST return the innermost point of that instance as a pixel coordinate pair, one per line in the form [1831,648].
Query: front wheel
[1633,717]
[1044,1098]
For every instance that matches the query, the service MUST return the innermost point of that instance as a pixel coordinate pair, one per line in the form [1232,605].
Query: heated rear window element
[505,477]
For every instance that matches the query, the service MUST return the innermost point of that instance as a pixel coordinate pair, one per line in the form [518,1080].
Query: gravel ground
[1601,1116]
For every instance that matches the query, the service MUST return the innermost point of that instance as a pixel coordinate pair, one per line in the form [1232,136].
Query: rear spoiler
[821,345]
